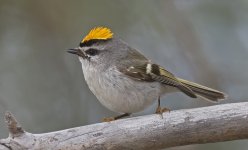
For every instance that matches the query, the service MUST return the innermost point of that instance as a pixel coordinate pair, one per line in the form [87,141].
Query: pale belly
[119,93]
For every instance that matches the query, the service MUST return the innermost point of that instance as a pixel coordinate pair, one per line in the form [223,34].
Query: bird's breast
[118,92]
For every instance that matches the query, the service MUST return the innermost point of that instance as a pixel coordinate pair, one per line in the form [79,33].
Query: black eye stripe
[92,52]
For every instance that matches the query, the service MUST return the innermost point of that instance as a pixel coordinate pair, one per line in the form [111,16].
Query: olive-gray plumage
[125,81]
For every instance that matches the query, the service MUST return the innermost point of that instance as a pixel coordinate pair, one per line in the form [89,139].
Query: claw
[108,119]
[160,111]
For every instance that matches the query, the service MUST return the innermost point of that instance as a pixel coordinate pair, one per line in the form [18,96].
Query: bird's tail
[203,91]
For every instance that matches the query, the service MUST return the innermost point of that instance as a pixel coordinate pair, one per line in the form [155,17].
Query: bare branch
[182,127]
[14,127]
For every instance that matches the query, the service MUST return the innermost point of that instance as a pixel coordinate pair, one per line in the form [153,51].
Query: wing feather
[146,71]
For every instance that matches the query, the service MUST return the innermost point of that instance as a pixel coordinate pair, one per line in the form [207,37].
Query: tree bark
[176,128]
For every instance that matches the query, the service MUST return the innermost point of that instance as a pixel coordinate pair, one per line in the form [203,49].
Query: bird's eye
[92,52]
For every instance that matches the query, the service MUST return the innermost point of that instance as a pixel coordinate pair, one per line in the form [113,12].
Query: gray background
[201,40]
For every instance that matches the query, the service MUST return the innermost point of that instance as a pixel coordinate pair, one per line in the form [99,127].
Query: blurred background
[43,86]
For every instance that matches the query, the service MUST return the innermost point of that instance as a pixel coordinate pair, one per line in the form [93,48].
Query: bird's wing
[146,71]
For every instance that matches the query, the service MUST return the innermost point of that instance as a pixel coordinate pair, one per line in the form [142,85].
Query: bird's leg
[116,117]
[160,110]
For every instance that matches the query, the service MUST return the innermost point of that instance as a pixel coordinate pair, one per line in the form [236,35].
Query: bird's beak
[76,51]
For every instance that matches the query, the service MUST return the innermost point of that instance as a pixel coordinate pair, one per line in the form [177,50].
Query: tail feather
[203,91]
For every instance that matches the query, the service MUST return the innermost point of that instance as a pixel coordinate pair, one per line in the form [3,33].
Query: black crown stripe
[92,42]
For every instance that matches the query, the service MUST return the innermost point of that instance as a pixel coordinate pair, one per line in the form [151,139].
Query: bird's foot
[160,111]
[109,119]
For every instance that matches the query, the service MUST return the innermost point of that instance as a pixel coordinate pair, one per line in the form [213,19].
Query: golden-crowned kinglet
[124,80]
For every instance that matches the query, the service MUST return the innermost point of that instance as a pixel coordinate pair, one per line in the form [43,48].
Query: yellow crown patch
[101,33]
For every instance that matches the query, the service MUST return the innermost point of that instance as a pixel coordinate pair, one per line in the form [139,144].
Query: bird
[127,82]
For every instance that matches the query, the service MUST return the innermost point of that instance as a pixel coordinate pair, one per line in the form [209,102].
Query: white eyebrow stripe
[148,68]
